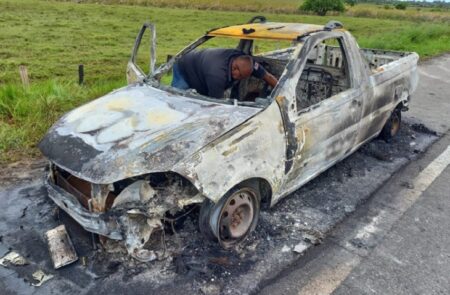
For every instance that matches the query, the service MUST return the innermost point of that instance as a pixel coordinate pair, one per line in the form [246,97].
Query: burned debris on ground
[184,259]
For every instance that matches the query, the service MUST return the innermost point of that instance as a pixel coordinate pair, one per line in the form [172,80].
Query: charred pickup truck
[121,164]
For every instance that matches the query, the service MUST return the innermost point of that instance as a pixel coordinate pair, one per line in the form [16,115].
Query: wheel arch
[402,98]
[212,212]
[264,189]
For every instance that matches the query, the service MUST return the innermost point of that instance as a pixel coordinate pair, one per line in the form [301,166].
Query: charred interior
[251,88]
[325,74]
[377,58]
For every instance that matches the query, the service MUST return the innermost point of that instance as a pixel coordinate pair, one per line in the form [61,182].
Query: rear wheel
[233,217]
[392,126]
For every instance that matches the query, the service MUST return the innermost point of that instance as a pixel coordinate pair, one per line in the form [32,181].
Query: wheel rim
[395,125]
[237,215]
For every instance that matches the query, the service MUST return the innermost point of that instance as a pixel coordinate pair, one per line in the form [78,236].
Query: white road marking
[329,278]
[423,72]
[425,179]
[445,69]
[392,258]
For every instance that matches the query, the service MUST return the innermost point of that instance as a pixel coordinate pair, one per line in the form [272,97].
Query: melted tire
[392,126]
[203,220]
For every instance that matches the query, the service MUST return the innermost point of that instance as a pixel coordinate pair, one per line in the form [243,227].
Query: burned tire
[203,220]
[392,126]
[233,217]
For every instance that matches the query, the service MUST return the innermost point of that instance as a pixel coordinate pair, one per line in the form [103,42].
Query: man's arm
[261,73]
[270,79]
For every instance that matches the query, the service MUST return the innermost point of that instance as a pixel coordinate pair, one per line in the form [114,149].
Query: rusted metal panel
[77,187]
[266,30]
[99,223]
[60,246]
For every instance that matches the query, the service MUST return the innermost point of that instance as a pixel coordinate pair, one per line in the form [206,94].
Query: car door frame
[297,139]
[134,72]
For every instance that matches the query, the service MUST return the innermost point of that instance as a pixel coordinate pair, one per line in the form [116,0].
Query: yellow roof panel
[267,30]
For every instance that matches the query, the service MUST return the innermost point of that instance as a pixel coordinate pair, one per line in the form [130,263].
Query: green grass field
[53,38]
[386,11]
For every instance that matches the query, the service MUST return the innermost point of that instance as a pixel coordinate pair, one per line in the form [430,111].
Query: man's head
[241,67]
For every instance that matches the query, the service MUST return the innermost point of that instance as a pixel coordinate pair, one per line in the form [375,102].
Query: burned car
[121,164]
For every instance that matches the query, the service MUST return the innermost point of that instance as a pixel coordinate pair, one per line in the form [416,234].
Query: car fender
[254,149]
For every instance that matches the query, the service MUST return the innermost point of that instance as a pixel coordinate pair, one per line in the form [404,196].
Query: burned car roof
[266,30]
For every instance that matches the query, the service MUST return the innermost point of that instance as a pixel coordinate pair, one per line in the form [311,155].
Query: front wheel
[233,218]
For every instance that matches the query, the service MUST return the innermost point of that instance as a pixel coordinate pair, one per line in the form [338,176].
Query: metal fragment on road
[144,255]
[84,261]
[301,247]
[60,247]
[313,238]
[285,249]
[210,289]
[41,278]
[13,258]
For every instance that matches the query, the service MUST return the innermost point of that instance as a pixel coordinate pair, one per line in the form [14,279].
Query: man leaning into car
[211,71]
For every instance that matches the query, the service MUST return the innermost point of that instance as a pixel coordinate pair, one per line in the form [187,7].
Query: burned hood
[136,130]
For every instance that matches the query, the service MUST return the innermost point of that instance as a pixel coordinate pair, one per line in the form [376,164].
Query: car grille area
[77,187]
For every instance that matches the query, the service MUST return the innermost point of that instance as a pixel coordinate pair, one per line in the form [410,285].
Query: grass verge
[372,10]
[53,38]
[27,113]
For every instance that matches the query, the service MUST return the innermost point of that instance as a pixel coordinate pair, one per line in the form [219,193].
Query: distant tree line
[421,3]
[321,7]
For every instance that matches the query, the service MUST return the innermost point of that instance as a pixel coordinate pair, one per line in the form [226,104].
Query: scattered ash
[307,215]
[406,144]
[188,263]
[418,127]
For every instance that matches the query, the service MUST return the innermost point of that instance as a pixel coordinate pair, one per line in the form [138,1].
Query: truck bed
[327,61]
[377,58]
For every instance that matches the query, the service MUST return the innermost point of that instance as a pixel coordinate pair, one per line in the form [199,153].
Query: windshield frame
[154,78]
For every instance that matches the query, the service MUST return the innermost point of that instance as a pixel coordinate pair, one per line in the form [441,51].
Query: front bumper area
[100,223]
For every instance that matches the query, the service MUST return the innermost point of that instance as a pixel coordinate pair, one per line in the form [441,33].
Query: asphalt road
[288,235]
[396,243]
[399,241]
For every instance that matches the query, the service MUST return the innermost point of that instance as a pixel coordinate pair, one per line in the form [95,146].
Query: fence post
[80,74]
[23,71]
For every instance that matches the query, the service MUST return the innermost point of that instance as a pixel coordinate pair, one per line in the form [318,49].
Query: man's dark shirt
[209,70]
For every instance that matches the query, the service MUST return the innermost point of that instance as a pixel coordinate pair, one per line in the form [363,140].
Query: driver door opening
[325,74]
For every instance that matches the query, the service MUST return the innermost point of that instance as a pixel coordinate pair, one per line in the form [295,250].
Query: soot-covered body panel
[124,164]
